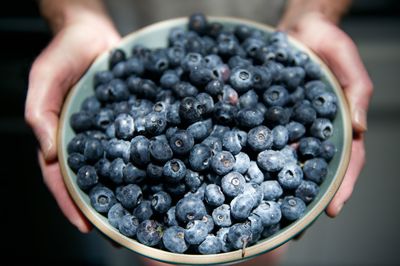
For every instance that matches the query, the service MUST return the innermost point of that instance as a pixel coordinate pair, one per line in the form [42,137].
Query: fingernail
[360,119]
[47,146]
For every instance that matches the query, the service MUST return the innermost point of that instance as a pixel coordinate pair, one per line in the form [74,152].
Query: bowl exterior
[155,36]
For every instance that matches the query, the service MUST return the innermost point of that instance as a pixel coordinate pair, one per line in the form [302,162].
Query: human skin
[82,30]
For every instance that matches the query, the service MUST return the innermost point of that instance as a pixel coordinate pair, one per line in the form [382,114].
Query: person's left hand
[340,54]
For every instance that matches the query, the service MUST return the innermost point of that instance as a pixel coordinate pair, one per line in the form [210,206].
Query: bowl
[154,36]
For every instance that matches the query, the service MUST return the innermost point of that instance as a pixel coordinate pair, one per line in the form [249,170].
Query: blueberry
[233,184]
[191,110]
[198,23]
[77,144]
[154,171]
[256,226]
[262,78]
[139,150]
[228,45]
[128,225]
[176,35]
[254,191]
[219,131]
[129,196]
[270,160]
[199,193]
[292,76]
[242,163]
[196,232]
[149,232]
[290,176]
[269,212]
[222,235]
[295,130]
[86,177]
[116,56]
[309,147]
[260,138]
[208,220]
[248,99]
[157,61]
[76,161]
[231,142]
[280,136]
[315,170]
[116,148]
[211,245]
[300,58]
[276,96]
[314,88]
[192,61]
[169,79]
[251,45]
[222,162]
[328,150]
[132,174]
[224,113]
[160,150]
[119,70]
[143,211]
[174,239]
[189,209]
[241,206]
[297,95]
[200,130]
[115,214]
[102,77]
[212,60]
[241,79]
[222,215]
[270,230]
[91,105]
[321,128]
[193,180]
[213,195]
[292,208]
[134,66]
[174,170]
[116,171]
[271,190]
[240,235]
[304,114]
[214,87]
[207,101]
[277,115]
[173,117]
[184,89]
[250,117]
[307,191]
[170,217]
[103,168]
[102,198]
[115,91]
[214,143]
[161,202]
[181,142]
[313,70]
[81,121]
[140,51]
[199,158]
[254,174]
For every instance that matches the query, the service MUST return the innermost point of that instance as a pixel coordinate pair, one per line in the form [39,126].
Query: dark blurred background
[365,233]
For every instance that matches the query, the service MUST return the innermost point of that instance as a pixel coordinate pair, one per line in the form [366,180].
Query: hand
[340,53]
[53,73]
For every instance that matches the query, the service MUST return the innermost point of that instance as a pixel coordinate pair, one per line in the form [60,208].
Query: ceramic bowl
[156,36]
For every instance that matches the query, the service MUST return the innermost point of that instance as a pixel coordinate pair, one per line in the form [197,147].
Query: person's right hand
[54,72]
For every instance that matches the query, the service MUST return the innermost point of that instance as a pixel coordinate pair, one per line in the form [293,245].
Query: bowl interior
[156,36]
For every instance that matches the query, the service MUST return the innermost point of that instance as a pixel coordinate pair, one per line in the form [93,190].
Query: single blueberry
[292,208]
[76,161]
[269,212]
[128,225]
[290,176]
[189,209]
[161,202]
[254,174]
[270,160]
[321,128]
[102,198]
[193,180]
[196,232]
[242,163]
[240,235]
[160,150]
[115,214]
[211,245]
[233,184]
[296,130]
[143,211]
[328,150]
[86,178]
[222,162]
[129,196]
[307,191]
[174,239]
[241,206]
[315,170]
[116,171]
[222,216]
[213,195]
[271,190]
[260,138]
[200,130]
[149,232]
[199,157]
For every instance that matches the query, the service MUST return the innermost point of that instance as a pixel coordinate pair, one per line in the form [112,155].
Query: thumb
[52,74]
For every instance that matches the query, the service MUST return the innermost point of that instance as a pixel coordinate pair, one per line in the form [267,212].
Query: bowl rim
[263,246]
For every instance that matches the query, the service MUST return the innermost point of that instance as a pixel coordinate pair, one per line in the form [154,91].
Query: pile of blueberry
[208,145]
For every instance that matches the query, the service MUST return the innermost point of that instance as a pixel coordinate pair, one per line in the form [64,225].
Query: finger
[356,164]
[53,180]
[341,55]
[59,66]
